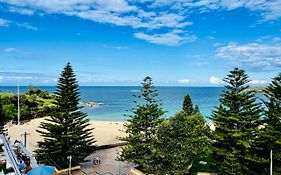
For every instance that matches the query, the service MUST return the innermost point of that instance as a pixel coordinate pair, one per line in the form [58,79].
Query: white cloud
[168,20]
[215,80]
[114,5]
[12,78]
[27,26]
[217,44]
[25,78]
[201,63]
[258,57]
[141,20]
[256,82]
[144,15]
[211,37]
[10,49]
[19,10]
[184,81]
[4,22]
[174,38]
[269,10]
[118,12]
[7,23]
[115,47]
[276,39]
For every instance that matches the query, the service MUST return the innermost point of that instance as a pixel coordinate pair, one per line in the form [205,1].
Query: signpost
[25,140]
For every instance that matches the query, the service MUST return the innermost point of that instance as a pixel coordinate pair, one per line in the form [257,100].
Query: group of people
[24,161]
[97,161]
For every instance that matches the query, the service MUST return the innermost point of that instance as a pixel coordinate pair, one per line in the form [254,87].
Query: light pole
[69,158]
[18,104]
[119,168]
[271,162]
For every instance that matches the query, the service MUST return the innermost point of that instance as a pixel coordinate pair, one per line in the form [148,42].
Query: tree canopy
[237,122]
[141,127]
[180,139]
[271,135]
[187,105]
[2,121]
[67,132]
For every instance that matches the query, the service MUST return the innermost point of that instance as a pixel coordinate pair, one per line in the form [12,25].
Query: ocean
[115,101]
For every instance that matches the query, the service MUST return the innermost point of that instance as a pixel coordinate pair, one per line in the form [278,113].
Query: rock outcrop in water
[91,104]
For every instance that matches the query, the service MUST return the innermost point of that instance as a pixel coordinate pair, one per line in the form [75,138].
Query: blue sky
[118,42]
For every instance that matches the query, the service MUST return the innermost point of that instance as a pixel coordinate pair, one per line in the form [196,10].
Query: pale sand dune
[105,132]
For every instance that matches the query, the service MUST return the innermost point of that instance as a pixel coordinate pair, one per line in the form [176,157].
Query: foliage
[187,105]
[180,140]
[34,103]
[25,112]
[196,110]
[38,92]
[237,122]
[141,128]
[2,122]
[9,112]
[197,166]
[271,135]
[67,132]
[8,98]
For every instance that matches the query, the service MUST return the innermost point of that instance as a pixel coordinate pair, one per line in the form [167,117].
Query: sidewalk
[108,163]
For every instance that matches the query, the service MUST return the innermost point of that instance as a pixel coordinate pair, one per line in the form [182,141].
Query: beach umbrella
[42,170]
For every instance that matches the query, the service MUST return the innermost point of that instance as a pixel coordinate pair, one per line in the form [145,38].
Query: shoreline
[104,132]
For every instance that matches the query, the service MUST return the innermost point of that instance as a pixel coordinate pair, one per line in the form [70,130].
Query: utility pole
[25,134]
[271,162]
[18,104]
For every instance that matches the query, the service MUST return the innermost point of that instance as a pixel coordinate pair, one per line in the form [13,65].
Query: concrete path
[108,163]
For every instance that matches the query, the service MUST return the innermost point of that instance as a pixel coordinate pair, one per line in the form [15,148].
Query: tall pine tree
[187,105]
[67,132]
[141,128]
[196,110]
[237,122]
[271,134]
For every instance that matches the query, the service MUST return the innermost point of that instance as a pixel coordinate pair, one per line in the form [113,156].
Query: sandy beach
[105,132]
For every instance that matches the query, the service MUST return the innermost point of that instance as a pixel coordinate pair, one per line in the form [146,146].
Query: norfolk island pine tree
[67,132]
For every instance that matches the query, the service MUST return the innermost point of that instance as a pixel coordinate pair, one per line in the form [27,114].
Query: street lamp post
[18,104]
[69,158]
[271,162]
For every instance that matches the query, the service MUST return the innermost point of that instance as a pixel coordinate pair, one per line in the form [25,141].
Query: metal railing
[10,154]
[33,162]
